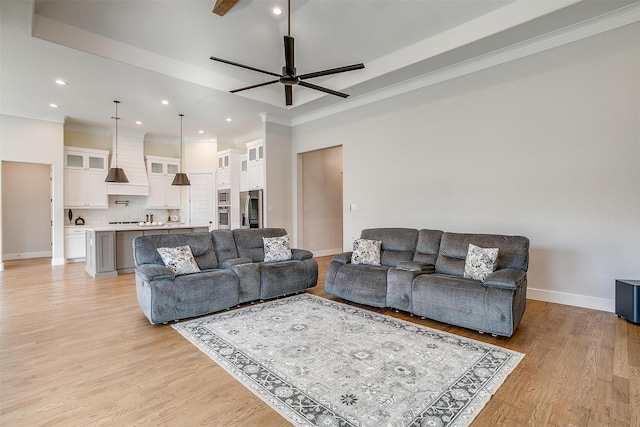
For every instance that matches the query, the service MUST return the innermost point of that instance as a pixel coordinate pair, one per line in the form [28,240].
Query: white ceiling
[141,52]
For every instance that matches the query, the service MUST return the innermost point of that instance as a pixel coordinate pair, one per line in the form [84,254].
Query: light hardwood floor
[77,351]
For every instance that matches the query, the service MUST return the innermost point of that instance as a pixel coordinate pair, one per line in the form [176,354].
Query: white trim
[584,301]
[326,252]
[607,22]
[58,261]
[24,255]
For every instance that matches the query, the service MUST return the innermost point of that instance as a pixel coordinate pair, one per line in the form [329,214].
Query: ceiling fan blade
[332,71]
[254,86]
[323,89]
[289,62]
[222,6]
[288,95]
[213,58]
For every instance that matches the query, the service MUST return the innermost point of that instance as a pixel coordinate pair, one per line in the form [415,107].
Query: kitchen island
[110,247]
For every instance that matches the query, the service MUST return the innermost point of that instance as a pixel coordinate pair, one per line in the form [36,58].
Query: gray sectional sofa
[421,272]
[232,267]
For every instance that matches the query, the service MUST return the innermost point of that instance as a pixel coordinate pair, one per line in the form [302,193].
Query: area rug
[323,363]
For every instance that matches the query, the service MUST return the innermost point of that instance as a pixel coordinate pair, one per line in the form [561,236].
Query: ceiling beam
[223,6]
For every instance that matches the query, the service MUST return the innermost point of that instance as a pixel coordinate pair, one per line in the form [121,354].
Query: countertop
[132,227]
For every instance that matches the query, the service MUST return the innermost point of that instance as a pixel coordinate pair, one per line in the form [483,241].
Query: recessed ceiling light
[200,131]
[277,10]
[61,82]
[54,105]
[138,122]
[165,102]
[228,119]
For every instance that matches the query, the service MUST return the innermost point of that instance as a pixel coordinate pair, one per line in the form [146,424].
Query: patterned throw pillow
[276,248]
[366,251]
[179,259]
[480,262]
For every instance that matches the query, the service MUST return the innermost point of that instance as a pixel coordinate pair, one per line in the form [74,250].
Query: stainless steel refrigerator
[251,209]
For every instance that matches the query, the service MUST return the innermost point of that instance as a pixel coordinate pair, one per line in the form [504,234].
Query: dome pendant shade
[181,179]
[116,175]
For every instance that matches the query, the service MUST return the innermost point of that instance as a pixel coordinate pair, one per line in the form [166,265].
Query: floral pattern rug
[323,363]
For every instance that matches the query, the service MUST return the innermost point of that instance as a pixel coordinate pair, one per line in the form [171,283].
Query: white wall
[36,141]
[547,147]
[26,216]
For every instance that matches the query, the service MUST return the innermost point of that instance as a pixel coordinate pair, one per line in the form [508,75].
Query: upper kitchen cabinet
[161,171]
[228,168]
[244,172]
[255,166]
[85,172]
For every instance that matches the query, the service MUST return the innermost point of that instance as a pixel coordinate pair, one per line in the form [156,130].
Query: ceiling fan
[289,77]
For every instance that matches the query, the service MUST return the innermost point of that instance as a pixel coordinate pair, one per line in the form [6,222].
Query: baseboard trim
[25,255]
[583,301]
[327,252]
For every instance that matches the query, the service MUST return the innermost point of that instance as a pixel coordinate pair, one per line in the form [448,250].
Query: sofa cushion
[225,245]
[428,246]
[201,244]
[480,262]
[398,244]
[249,241]
[514,251]
[366,252]
[276,248]
[179,259]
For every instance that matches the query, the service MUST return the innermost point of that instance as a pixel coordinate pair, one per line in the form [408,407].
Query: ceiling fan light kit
[289,76]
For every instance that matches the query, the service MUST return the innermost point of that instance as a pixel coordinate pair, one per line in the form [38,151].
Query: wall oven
[224,197]
[224,217]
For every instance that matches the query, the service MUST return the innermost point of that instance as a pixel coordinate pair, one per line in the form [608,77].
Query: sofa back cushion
[249,241]
[513,251]
[428,246]
[145,248]
[398,244]
[224,244]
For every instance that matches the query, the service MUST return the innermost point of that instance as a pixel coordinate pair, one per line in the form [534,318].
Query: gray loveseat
[421,272]
[232,267]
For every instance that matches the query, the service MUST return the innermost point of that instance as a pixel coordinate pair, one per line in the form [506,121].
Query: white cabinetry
[85,172]
[224,168]
[255,152]
[74,243]
[161,171]
[244,172]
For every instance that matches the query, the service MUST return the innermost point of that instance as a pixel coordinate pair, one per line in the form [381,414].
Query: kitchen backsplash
[128,208]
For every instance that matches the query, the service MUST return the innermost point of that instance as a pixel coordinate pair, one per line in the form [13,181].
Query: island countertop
[137,227]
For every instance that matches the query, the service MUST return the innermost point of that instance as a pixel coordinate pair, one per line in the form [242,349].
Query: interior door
[201,199]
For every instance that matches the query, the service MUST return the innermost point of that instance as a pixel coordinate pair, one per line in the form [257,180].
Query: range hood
[131,159]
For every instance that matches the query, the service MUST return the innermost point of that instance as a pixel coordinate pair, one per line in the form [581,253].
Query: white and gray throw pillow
[179,259]
[276,248]
[366,251]
[480,262]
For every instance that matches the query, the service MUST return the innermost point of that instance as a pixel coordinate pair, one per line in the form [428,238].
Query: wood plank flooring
[77,351]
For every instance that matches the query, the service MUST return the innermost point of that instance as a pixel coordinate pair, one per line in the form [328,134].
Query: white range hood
[131,160]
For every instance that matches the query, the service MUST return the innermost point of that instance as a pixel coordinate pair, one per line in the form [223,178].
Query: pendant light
[116,174]
[181,178]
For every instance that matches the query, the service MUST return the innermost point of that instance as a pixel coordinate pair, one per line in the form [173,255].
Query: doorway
[322,201]
[26,210]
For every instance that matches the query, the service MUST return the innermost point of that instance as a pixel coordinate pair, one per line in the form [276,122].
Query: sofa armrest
[230,263]
[508,278]
[343,258]
[300,254]
[151,272]
[416,266]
